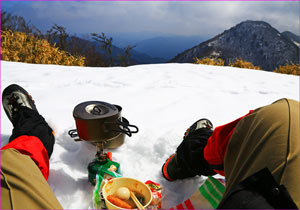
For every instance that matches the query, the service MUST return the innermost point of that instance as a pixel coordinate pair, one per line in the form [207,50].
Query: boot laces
[204,124]
[14,102]
[207,125]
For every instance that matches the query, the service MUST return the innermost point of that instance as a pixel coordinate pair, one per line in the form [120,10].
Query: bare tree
[15,23]
[106,45]
[5,16]
[125,59]
[57,34]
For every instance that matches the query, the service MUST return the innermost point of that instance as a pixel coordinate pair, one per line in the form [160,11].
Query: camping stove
[101,124]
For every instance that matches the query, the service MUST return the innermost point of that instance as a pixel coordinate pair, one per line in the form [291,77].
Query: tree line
[99,53]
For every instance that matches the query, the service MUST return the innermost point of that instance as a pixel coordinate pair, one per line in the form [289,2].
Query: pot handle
[126,127]
[121,122]
[73,133]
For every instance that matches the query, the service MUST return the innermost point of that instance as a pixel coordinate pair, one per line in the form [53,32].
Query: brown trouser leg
[268,137]
[22,184]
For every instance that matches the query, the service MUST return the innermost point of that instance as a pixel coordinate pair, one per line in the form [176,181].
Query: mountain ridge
[167,46]
[254,41]
[291,36]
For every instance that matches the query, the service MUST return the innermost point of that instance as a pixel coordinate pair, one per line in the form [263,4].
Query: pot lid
[94,110]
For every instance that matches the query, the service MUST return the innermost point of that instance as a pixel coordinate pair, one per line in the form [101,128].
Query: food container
[133,185]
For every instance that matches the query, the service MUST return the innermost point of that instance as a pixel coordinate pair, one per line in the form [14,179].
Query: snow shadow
[66,187]
[4,139]
[77,155]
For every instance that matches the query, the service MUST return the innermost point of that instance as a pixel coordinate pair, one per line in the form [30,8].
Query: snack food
[123,193]
[156,195]
[104,172]
[118,202]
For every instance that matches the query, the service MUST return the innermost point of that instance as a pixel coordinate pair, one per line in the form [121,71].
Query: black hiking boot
[202,123]
[22,112]
[13,97]
[173,168]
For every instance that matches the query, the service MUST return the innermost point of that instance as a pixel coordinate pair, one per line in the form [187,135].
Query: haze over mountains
[254,41]
[167,47]
[153,49]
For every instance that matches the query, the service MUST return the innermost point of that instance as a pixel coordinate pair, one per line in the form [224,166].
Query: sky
[203,18]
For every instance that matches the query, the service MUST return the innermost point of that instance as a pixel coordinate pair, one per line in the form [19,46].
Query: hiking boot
[202,123]
[172,171]
[22,112]
[176,166]
[13,97]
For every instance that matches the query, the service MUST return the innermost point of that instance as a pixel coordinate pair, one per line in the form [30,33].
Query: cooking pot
[101,122]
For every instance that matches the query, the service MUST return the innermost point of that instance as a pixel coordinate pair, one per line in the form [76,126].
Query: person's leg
[25,159]
[29,122]
[21,110]
[268,137]
[39,145]
[23,185]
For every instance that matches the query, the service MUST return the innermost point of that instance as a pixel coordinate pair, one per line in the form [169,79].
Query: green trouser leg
[22,184]
[268,137]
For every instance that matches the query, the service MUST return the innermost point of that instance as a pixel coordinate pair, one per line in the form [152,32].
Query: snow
[296,43]
[163,100]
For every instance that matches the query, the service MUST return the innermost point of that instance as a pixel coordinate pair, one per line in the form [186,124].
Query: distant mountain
[153,50]
[123,39]
[291,36]
[143,58]
[167,47]
[254,41]
[136,57]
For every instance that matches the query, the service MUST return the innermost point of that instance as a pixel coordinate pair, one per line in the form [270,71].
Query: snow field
[163,100]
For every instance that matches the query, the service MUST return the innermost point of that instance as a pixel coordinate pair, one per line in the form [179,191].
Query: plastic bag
[105,173]
[156,195]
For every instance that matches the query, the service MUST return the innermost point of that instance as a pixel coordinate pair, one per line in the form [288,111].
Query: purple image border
[132,1]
